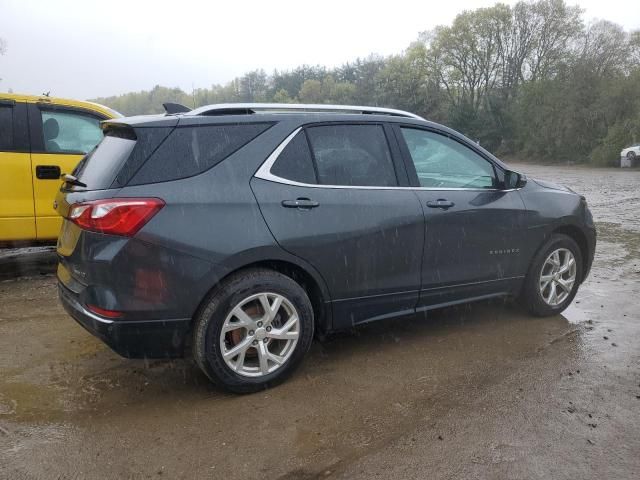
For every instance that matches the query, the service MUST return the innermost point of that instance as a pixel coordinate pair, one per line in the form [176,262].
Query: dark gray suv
[239,231]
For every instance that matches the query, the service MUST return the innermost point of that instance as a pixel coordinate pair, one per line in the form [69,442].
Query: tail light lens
[103,312]
[121,216]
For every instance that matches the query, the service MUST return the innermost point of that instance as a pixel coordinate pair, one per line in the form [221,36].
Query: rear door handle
[440,203]
[48,172]
[302,203]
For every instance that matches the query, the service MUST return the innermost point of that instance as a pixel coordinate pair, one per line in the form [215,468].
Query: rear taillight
[103,312]
[116,216]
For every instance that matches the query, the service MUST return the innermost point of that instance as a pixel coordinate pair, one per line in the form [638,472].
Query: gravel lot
[479,391]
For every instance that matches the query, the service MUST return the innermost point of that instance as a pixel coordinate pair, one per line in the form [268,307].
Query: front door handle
[302,203]
[440,203]
[48,172]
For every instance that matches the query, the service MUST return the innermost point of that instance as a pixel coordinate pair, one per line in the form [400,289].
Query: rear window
[100,166]
[192,150]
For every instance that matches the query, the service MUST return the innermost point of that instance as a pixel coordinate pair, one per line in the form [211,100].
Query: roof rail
[249,108]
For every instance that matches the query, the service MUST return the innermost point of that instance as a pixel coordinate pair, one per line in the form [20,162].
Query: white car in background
[629,155]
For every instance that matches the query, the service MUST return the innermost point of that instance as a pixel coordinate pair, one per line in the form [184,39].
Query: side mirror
[514,180]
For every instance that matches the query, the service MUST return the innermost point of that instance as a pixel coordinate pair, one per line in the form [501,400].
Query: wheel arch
[580,238]
[319,299]
[310,280]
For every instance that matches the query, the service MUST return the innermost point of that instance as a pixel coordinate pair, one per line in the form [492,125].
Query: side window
[354,155]
[295,162]
[6,128]
[188,151]
[69,132]
[442,162]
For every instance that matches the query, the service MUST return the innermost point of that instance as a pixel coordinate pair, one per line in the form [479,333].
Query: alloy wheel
[557,277]
[259,334]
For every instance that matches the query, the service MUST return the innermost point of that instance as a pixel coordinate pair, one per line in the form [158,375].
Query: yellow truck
[40,139]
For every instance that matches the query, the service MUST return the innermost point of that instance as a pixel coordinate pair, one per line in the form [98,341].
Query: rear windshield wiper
[71,180]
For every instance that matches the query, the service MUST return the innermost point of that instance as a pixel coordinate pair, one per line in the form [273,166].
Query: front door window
[69,132]
[442,162]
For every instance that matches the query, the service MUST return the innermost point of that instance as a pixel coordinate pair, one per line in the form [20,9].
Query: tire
[631,155]
[540,301]
[237,305]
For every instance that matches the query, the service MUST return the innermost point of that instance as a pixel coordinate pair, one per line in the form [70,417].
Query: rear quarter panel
[213,219]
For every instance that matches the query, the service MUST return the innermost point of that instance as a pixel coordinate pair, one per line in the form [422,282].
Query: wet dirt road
[480,391]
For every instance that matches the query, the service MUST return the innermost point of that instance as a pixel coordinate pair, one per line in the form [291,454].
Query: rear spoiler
[173,108]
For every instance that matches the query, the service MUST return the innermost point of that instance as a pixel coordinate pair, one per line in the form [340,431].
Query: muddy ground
[480,391]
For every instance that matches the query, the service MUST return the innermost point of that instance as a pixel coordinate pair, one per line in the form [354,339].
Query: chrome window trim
[264,173]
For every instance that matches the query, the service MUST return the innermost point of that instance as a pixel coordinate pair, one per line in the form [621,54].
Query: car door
[473,227]
[60,137]
[16,194]
[330,196]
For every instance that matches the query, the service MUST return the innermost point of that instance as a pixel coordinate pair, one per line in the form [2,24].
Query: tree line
[532,80]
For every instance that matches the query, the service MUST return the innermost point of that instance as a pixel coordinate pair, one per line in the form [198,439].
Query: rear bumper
[131,339]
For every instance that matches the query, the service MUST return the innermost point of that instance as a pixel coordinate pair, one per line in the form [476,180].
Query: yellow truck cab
[40,139]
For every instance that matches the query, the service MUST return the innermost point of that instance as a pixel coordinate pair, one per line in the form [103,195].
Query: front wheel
[253,331]
[553,278]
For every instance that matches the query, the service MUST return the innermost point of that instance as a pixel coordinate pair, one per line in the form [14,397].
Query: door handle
[48,172]
[440,203]
[302,203]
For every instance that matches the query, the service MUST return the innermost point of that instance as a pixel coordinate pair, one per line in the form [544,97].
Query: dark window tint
[442,162]
[356,155]
[192,150]
[6,127]
[295,162]
[148,140]
[98,169]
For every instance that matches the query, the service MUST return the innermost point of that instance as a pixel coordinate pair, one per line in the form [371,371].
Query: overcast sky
[85,49]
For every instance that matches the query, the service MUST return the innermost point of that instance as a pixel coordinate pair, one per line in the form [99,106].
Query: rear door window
[352,155]
[14,129]
[295,162]
[6,128]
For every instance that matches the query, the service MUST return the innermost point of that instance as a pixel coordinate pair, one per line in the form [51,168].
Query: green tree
[311,91]
[253,86]
[281,96]
[530,80]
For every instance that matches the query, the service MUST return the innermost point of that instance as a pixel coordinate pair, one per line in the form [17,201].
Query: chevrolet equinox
[236,232]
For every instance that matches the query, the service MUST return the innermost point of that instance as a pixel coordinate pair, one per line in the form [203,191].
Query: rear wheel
[553,278]
[253,331]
